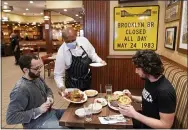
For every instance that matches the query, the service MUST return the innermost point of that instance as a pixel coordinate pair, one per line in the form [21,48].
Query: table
[69,119]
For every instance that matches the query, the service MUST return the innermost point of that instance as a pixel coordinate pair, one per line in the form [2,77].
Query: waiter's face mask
[71,45]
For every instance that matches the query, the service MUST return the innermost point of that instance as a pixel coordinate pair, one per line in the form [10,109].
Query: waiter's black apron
[77,76]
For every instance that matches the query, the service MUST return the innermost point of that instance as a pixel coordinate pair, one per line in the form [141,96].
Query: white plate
[97,108]
[118,92]
[102,100]
[112,107]
[92,91]
[97,64]
[80,112]
[71,89]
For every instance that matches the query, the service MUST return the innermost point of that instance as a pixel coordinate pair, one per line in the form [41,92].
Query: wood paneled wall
[119,71]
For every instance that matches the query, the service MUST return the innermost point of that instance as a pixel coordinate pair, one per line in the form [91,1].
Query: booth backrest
[177,75]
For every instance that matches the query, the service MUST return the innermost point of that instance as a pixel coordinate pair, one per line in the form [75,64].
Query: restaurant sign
[136,28]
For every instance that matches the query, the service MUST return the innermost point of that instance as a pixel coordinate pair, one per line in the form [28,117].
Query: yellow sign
[136,28]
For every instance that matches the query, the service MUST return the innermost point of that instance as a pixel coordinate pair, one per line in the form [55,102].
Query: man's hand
[44,107]
[103,62]
[62,91]
[50,100]
[127,92]
[127,110]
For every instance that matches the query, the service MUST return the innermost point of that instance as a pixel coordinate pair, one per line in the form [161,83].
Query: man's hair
[25,60]
[149,61]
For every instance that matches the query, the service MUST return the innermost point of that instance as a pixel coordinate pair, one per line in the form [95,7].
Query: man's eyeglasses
[37,68]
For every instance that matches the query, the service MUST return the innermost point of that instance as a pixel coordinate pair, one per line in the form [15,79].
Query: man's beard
[33,76]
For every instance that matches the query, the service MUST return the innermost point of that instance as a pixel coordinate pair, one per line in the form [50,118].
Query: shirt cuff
[36,113]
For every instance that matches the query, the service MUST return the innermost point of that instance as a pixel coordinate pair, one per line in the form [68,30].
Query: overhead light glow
[65,10]
[41,13]
[23,13]
[26,9]
[76,14]
[5,19]
[7,8]
[31,2]
[46,17]
[5,3]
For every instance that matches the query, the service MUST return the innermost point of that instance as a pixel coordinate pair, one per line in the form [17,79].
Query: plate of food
[75,96]
[91,93]
[97,64]
[113,103]
[102,101]
[118,93]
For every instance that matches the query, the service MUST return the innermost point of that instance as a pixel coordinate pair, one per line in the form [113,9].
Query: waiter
[72,61]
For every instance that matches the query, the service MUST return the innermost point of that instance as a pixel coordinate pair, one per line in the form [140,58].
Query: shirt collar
[66,48]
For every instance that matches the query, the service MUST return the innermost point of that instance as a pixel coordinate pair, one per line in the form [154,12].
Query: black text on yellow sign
[136,28]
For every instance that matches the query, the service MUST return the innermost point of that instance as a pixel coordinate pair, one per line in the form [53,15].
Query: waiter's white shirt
[64,58]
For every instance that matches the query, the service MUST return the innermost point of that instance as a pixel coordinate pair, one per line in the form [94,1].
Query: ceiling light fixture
[41,13]
[46,17]
[7,8]
[31,2]
[5,3]
[76,14]
[65,10]
[26,9]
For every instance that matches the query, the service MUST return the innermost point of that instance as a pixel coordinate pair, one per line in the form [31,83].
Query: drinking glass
[88,108]
[108,88]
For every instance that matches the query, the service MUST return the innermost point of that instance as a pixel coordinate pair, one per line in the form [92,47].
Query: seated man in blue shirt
[31,99]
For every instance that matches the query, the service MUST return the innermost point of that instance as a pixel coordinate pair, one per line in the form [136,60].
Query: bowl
[80,112]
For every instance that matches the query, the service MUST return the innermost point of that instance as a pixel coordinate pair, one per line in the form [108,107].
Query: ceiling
[37,8]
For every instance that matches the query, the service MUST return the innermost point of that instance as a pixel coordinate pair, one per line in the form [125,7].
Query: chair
[36,49]
[48,64]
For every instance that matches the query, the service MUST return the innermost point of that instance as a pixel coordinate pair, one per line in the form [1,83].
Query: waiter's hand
[62,91]
[103,62]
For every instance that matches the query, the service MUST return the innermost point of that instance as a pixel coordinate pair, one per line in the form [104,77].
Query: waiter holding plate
[73,60]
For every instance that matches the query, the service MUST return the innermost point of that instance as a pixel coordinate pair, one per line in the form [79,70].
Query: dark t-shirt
[159,96]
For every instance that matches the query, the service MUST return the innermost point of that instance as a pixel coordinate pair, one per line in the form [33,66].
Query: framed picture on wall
[170,2]
[182,44]
[133,26]
[170,37]
[126,1]
[172,11]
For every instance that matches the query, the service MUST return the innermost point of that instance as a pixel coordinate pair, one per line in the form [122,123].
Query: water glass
[88,108]
[108,88]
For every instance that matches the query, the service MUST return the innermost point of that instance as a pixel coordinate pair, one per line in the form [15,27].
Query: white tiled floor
[9,76]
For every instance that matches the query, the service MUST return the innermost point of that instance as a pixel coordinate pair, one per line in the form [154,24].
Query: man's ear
[25,70]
